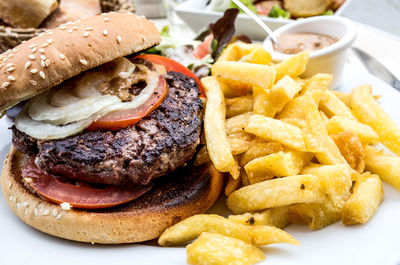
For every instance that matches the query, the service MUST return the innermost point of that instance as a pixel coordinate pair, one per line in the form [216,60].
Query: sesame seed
[50,41]
[89,29]
[10,69]
[25,204]
[46,212]
[5,84]
[18,205]
[42,64]
[10,65]
[65,206]
[11,198]
[106,19]
[42,75]
[59,216]
[42,57]
[34,49]
[86,34]
[32,57]
[27,65]
[11,78]
[47,62]
[33,82]
[55,212]
[36,212]
[48,33]
[62,56]
[75,28]
[41,50]
[44,45]
[41,34]
[26,211]
[105,32]
[70,31]
[84,62]
[119,39]
[62,27]
[33,71]
[33,45]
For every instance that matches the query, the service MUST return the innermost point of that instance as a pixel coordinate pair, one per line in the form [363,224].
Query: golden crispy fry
[280,164]
[240,142]
[243,176]
[235,170]
[294,109]
[262,235]
[278,217]
[275,99]
[366,134]
[259,150]
[233,184]
[296,122]
[384,165]
[345,97]
[368,111]
[307,8]
[293,67]
[275,193]
[232,89]
[236,124]
[324,118]
[333,106]
[317,81]
[202,156]
[365,200]
[245,73]
[351,149]
[244,52]
[214,126]
[316,136]
[216,249]
[238,105]
[276,130]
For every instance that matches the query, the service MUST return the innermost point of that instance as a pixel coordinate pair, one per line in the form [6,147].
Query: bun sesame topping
[73,48]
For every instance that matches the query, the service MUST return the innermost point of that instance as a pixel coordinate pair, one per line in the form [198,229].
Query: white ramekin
[330,59]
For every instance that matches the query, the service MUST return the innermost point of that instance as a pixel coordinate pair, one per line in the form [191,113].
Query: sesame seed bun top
[72,48]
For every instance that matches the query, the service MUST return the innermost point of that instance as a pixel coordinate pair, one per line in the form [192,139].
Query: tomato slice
[171,65]
[82,197]
[124,118]
[204,48]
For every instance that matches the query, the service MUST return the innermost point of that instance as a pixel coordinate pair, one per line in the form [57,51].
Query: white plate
[376,242]
[197,17]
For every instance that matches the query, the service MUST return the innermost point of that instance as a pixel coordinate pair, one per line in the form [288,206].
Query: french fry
[332,106]
[324,118]
[278,217]
[192,227]
[293,67]
[240,142]
[202,156]
[294,108]
[275,193]
[235,170]
[364,132]
[384,165]
[317,81]
[368,111]
[232,89]
[214,125]
[365,200]
[296,122]
[259,150]
[274,100]
[233,184]
[316,136]
[280,164]
[344,97]
[244,52]
[351,149]
[216,249]
[276,130]
[236,124]
[245,73]
[238,105]
[243,176]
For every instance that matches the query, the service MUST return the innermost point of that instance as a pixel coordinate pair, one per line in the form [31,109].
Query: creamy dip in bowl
[338,32]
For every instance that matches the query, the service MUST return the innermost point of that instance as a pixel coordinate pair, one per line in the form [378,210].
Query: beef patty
[157,145]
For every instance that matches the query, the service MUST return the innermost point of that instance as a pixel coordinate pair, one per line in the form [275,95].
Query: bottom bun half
[186,192]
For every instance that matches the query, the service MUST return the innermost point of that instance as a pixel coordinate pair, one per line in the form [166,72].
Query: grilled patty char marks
[157,145]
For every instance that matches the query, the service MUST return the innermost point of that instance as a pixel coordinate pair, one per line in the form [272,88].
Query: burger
[102,148]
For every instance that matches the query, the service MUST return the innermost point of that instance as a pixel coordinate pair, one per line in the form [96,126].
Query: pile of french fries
[296,152]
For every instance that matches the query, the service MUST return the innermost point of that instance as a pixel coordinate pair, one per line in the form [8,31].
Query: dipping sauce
[293,43]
